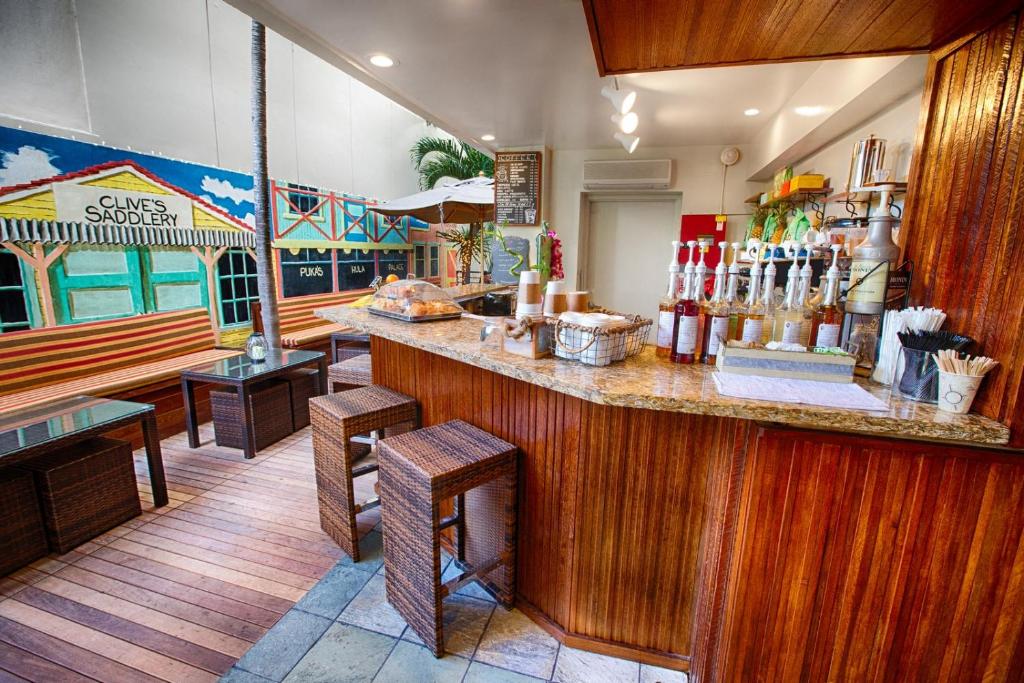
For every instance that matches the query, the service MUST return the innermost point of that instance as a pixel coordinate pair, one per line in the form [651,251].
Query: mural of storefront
[89,232]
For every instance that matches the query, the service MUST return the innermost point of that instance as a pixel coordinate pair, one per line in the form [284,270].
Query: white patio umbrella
[463,201]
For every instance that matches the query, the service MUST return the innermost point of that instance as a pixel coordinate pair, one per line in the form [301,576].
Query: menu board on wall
[517,188]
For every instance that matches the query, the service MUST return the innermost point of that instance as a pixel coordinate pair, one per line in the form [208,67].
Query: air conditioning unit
[640,174]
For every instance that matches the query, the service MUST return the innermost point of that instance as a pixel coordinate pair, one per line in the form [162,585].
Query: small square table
[242,372]
[41,429]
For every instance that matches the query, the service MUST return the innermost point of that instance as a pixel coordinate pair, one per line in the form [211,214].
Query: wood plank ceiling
[652,35]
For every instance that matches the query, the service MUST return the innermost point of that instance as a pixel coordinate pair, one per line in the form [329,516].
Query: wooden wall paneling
[964,222]
[865,559]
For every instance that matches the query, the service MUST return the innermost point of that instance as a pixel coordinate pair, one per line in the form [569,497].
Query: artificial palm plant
[437,158]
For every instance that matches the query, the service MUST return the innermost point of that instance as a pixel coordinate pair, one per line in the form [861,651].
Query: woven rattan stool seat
[336,419]
[349,373]
[418,471]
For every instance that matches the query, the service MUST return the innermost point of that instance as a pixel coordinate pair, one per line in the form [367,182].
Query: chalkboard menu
[517,188]
[505,260]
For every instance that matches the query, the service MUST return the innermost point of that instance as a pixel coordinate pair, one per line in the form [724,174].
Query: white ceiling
[524,71]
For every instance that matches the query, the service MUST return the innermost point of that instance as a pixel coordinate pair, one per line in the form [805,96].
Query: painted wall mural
[89,232]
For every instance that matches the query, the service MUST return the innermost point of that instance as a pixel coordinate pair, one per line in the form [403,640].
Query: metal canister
[868,156]
[869,271]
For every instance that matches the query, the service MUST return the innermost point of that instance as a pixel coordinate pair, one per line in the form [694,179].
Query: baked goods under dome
[415,301]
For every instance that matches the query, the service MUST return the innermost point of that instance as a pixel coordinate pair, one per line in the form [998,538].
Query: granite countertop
[646,381]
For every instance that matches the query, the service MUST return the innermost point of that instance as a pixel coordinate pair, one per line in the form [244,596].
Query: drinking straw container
[919,377]
[956,392]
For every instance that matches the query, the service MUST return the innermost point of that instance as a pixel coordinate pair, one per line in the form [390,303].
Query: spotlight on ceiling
[627,122]
[622,100]
[810,111]
[629,142]
[382,60]
[753,111]
[487,137]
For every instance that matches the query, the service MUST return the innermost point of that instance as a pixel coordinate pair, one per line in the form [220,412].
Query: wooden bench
[122,358]
[300,328]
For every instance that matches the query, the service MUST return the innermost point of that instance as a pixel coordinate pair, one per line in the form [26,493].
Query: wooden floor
[182,592]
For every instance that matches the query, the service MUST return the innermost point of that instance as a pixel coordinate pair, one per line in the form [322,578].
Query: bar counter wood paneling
[741,551]
[965,206]
[874,560]
[602,488]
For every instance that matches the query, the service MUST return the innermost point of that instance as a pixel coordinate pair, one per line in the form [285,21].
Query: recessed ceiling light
[751,112]
[382,60]
[627,122]
[810,111]
[629,142]
[487,138]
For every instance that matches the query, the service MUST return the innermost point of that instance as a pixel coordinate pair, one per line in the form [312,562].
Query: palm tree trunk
[261,188]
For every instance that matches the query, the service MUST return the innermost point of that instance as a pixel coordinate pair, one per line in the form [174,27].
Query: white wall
[697,175]
[173,78]
[897,126]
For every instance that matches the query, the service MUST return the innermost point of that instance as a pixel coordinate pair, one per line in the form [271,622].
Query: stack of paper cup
[529,300]
[957,392]
[555,300]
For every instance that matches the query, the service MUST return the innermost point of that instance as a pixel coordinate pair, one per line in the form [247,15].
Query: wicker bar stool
[419,470]
[350,373]
[341,452]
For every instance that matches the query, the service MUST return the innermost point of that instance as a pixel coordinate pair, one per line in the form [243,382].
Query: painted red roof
[93,170]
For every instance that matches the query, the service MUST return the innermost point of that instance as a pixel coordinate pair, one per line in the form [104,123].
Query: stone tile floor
[343,631]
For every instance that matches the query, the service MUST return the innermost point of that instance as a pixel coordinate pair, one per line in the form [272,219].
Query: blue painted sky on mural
[26,156]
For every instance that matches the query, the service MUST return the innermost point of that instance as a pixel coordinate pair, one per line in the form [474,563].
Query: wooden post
[40,262]
[209,257]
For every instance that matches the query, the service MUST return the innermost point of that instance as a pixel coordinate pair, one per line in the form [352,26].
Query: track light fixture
[629,142]
[627,123]
[622,100]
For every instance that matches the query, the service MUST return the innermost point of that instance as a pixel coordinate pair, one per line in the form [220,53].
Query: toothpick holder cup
[957,392]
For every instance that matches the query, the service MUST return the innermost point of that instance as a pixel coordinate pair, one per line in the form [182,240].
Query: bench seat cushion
[309,335]
[113,381]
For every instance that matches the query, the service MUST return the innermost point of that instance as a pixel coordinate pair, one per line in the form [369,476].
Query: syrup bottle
[731,288]
[686,331]
[828,318]
[715,314]
[667,306]
[750,321]
[768,297]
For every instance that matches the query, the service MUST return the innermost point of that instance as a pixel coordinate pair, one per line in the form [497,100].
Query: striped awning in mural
[60,232]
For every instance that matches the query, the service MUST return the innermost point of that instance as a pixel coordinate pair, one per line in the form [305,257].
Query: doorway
[628,247]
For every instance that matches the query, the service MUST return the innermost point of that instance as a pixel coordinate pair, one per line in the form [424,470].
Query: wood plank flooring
[182,592]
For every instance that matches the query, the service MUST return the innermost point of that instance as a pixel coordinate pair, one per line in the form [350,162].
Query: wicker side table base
[21,524]
[337,459]
[418,471]
[350,373]
[85,490]
[303,385]
[271,410]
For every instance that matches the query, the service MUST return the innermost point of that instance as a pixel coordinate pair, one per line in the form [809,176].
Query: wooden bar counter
[735,539]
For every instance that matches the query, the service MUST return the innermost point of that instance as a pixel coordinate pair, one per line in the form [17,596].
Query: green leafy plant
[436,158]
